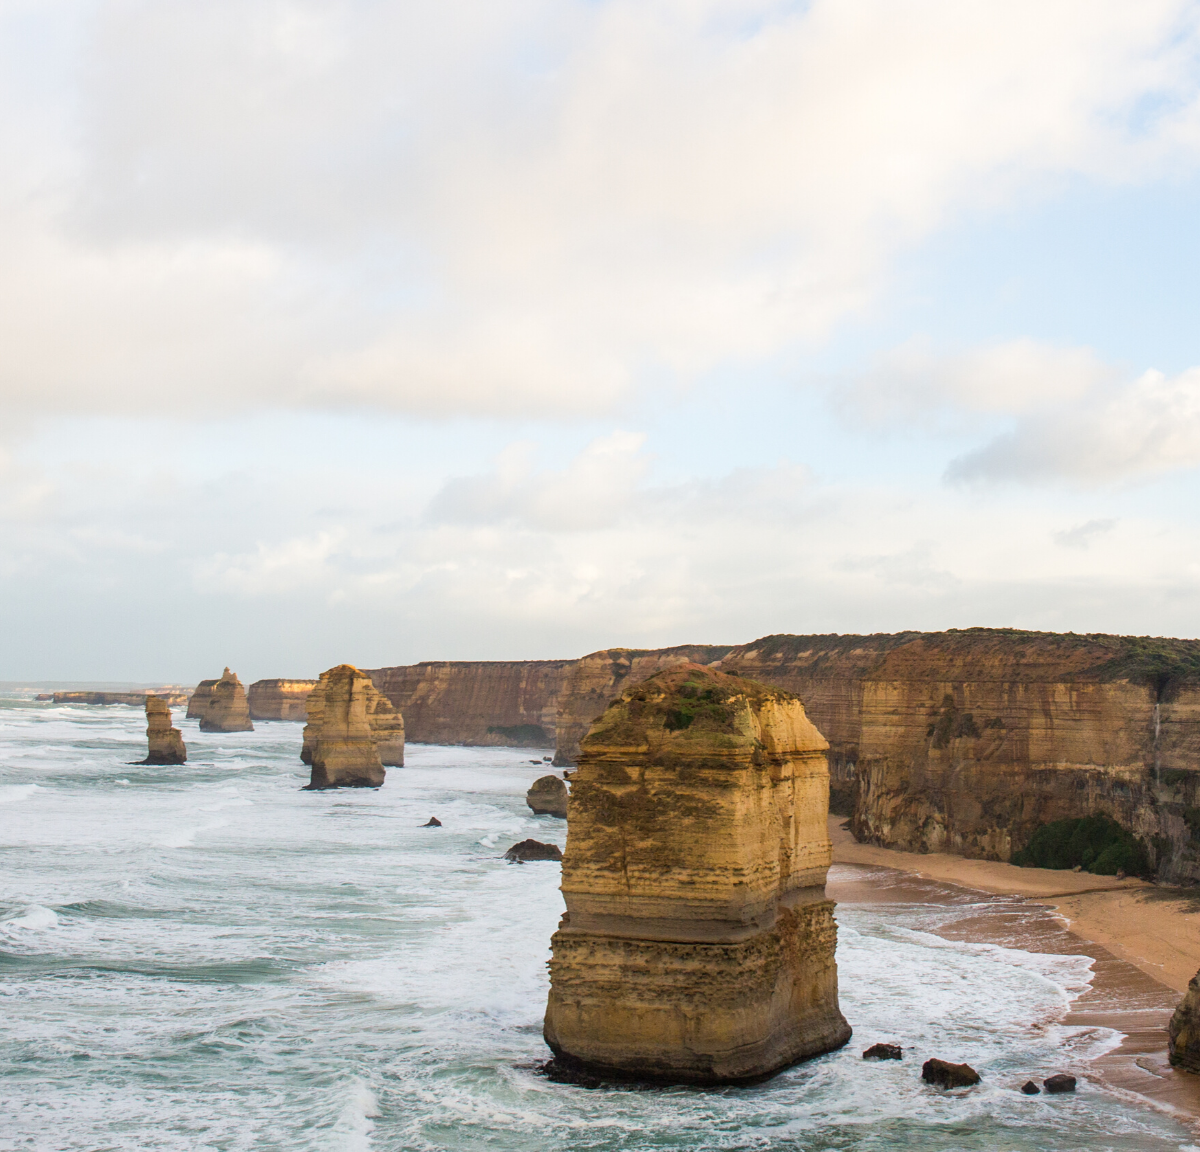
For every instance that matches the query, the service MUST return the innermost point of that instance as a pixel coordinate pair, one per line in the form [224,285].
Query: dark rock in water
[947,1075]
[1183,1033]
[883,1052]
[1030,1088]
[1060,1082]
[545,759]
[534,761]
[533,850]
[564,1072]
[547,796]
[433,822]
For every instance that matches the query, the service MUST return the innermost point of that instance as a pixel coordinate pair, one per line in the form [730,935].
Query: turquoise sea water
[206,957]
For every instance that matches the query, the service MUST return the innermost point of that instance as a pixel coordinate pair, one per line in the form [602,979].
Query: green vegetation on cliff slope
[1097,844]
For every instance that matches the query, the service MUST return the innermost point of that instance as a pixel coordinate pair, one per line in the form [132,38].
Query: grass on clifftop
[1097,844]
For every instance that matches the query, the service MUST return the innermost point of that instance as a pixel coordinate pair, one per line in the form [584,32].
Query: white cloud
[528,207]
[1082,534]
[1134,430]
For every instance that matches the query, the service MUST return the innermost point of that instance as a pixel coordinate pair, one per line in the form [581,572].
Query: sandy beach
[1144,940]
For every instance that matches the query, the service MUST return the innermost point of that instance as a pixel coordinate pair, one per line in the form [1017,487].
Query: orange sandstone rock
[340,739]
[227,709]
[166,743]
[199,700]
[698,944]
[385,722]
[279,699]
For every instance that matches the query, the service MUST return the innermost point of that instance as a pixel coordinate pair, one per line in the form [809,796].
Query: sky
[508,329]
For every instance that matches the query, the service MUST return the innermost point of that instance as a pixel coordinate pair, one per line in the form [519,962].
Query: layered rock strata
[227,709]
[175,697]
[593,680]
[698,944]
[967,741]
[547,796]
[166,743]
[200,699]
[386,723]
[279,699]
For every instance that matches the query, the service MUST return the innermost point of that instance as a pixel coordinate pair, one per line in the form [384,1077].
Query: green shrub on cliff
[1096,844]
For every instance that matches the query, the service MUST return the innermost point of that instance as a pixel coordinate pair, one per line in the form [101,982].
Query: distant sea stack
[698,944]
[279,699]
[339,739]
[385,722]
[200,699]
[166,743]
[170,695]
[227,709]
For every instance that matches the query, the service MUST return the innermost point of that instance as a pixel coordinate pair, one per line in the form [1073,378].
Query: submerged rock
[432,822]
[166,743]
[698,943]
[227,709]
[343,745]
[547,796]
[883,1052]
[533,850]
[943,1074]
[1060,1082]
[1183,1033]
[1030,1088]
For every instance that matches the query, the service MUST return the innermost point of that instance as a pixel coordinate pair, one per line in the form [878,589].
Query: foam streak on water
[206,957]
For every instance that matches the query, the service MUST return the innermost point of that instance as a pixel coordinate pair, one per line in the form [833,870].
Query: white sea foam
[32,918]
[12,792]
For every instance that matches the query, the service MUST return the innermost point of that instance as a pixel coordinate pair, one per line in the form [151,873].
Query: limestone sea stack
[199,700]
[698,943]
[166,743]
[386,723]
[228,710]
[1183,1033]
[343,744]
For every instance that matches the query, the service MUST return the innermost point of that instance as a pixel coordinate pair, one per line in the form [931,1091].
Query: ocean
[207,957]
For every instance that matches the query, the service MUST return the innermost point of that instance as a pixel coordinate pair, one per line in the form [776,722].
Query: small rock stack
[547,796]
[1183,1033]
[166,743]
[353,731]
[226,709]
[698,943]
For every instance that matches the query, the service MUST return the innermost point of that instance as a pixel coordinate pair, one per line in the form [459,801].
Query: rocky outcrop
[385,722]
[477,702]
[943,1074]
[227,709]
[279,699]
[200,699]
[166,743]
[1059,1082]
[342,745]
[532,850]
[698,944]
[547,796]
[175,697]
[968,741]
[1183,1032]
[592,681]
[884,1052]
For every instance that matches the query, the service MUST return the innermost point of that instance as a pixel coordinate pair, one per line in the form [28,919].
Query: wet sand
[1145,942]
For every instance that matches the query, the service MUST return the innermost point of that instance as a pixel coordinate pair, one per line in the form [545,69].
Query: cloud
[1082,534]
[525,208]
[1138,429]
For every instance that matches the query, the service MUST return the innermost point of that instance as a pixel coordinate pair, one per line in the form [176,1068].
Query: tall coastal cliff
[967,741]
[279,699]
[478,702]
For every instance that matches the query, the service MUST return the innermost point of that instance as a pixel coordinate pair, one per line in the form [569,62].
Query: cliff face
[697,945]
[172,696]
[478,702]
[591,682]
[967,741]
[278,699]
[166,743]
[200,699]
[1183,1033]
[342,742]
[227,710]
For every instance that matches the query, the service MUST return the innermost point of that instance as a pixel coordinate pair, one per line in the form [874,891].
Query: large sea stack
[166,743]
[339,736]
[385,722]
[227,709]
[698,944]
[199,700]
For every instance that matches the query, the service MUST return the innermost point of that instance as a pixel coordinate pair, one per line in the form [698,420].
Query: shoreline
[1142,939]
